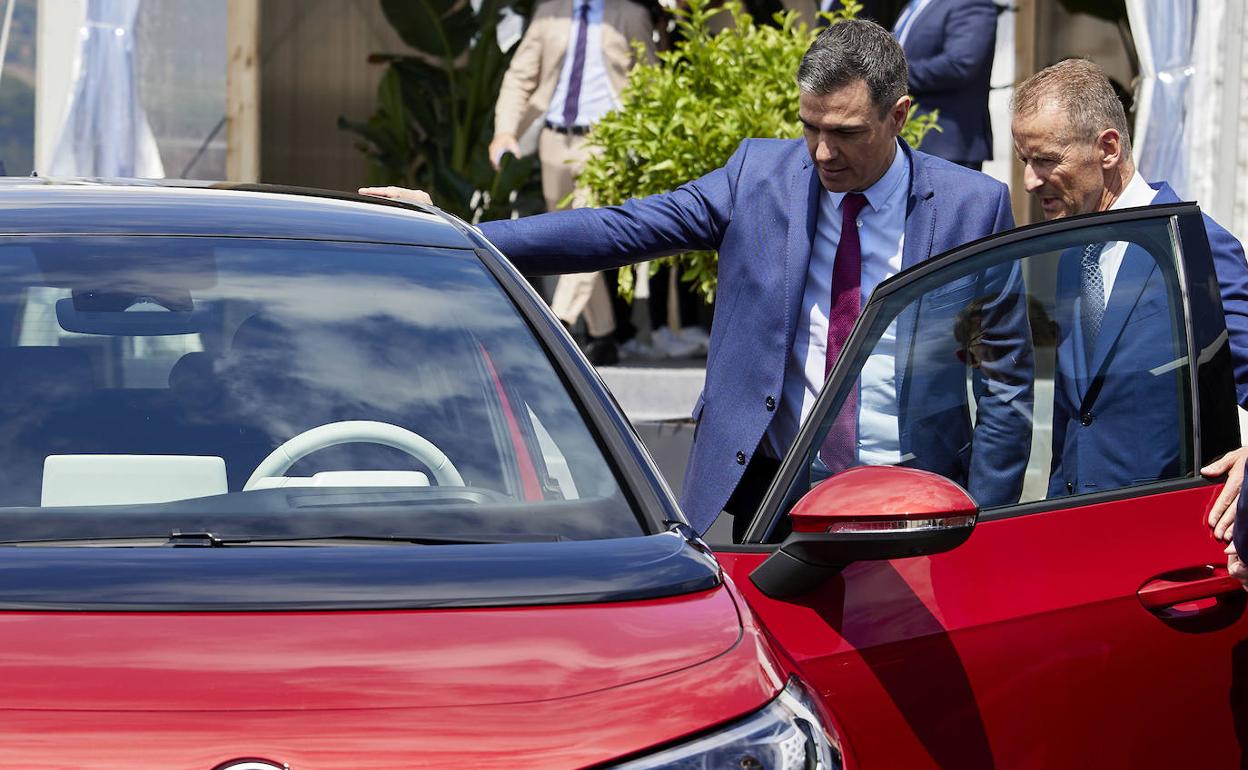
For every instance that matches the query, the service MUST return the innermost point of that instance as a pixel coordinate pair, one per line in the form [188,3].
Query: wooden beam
[1026,31]
[242,92]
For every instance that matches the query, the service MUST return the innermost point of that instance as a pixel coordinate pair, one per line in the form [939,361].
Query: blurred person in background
[568,71]
[949,45]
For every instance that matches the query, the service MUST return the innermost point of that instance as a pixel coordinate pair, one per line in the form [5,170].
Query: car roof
[35,205]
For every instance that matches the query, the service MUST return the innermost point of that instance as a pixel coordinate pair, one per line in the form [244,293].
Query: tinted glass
[143,378]
[1052,367]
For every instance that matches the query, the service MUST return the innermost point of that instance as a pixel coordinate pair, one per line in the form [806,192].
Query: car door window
[1046,367]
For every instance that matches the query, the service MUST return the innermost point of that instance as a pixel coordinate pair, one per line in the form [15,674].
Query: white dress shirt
[597,97]
[881,236]
[1137,193]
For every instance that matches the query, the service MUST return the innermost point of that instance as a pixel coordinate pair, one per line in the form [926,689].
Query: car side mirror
[867,513]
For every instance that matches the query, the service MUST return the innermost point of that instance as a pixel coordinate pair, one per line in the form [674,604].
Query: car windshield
[278,390]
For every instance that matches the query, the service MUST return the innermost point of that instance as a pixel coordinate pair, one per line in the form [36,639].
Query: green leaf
[441,28]
[685,115]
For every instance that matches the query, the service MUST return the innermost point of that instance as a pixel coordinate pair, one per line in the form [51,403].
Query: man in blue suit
[1115,406]
[783,215]
[949,45]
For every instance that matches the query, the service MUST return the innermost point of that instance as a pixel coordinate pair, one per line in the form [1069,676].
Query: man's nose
[825,151]
[1031,180]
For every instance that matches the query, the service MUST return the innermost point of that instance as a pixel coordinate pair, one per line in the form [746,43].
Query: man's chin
[1055,211]
[837,182]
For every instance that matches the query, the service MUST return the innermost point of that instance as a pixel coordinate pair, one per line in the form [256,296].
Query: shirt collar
[1136,193]
[886,187]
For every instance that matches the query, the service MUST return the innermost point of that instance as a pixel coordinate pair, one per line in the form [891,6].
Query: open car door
[1008,564]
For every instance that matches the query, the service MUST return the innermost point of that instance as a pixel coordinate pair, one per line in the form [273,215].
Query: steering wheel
[351,432]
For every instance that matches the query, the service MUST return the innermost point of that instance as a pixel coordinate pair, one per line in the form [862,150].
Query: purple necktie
[572,103]
[839,446]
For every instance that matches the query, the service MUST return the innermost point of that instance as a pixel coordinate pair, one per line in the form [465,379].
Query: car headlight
[787,734]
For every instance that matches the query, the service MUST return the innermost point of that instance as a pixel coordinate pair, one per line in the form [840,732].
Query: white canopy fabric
[105,132]
[1218,127]
[1164,32]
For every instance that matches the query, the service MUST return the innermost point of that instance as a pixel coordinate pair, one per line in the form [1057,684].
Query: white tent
[105,132]
[1191,118]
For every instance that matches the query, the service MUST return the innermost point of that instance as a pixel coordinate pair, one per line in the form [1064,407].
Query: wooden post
[1026,29]
[242,92]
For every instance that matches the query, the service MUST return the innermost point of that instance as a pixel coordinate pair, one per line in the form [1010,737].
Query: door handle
[1198,587]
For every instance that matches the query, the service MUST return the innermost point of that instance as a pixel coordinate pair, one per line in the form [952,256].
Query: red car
[303,482]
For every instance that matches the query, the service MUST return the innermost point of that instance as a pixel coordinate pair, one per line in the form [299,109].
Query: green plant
[435,109]
[684,115]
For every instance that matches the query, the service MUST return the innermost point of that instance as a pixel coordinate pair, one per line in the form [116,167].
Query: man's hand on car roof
[399,194]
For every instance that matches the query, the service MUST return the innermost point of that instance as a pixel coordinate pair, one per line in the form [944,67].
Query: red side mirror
[864,514]
[880,498]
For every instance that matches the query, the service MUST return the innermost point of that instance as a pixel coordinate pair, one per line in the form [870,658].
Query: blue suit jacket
[950,50]
[759,212]
[1116,418]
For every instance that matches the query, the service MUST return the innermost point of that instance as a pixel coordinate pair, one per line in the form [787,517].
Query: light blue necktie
[1092,290]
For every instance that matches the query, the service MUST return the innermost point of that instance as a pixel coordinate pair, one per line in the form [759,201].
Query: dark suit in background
[949,46]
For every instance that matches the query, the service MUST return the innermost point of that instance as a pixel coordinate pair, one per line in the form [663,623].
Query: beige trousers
[576,294]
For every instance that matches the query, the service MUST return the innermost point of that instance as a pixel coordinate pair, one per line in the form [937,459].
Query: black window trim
[1177,214]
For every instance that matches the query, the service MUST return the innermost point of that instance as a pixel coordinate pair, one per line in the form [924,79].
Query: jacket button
[1085,419]
[1070,488]
[740,458]
[770,403]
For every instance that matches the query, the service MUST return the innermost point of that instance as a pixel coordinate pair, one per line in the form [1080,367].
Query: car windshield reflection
[256,389]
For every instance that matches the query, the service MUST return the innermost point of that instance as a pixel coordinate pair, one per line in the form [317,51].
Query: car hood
[542,686]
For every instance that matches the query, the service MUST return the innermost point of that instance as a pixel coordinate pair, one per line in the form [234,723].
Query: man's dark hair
[856,50]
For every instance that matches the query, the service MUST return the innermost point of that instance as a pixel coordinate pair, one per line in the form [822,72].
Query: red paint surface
[546,687]
[1027,646]
[873,492]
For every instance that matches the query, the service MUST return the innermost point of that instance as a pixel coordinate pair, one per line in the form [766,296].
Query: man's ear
[898,114]
[1109,143]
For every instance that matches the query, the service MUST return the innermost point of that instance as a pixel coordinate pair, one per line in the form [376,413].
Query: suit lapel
[804,191]
[920,213]
[920,228]
[1071,360]
[611,18]
[557,39]
[1137,265]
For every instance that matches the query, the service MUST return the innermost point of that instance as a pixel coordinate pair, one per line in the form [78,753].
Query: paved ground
[658,399]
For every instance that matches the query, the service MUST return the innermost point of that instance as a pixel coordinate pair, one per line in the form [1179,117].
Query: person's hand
[1236,566]
[501,144]
[398,194]
[1222,512]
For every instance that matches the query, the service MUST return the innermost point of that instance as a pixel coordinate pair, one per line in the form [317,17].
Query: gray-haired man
[1071,134]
